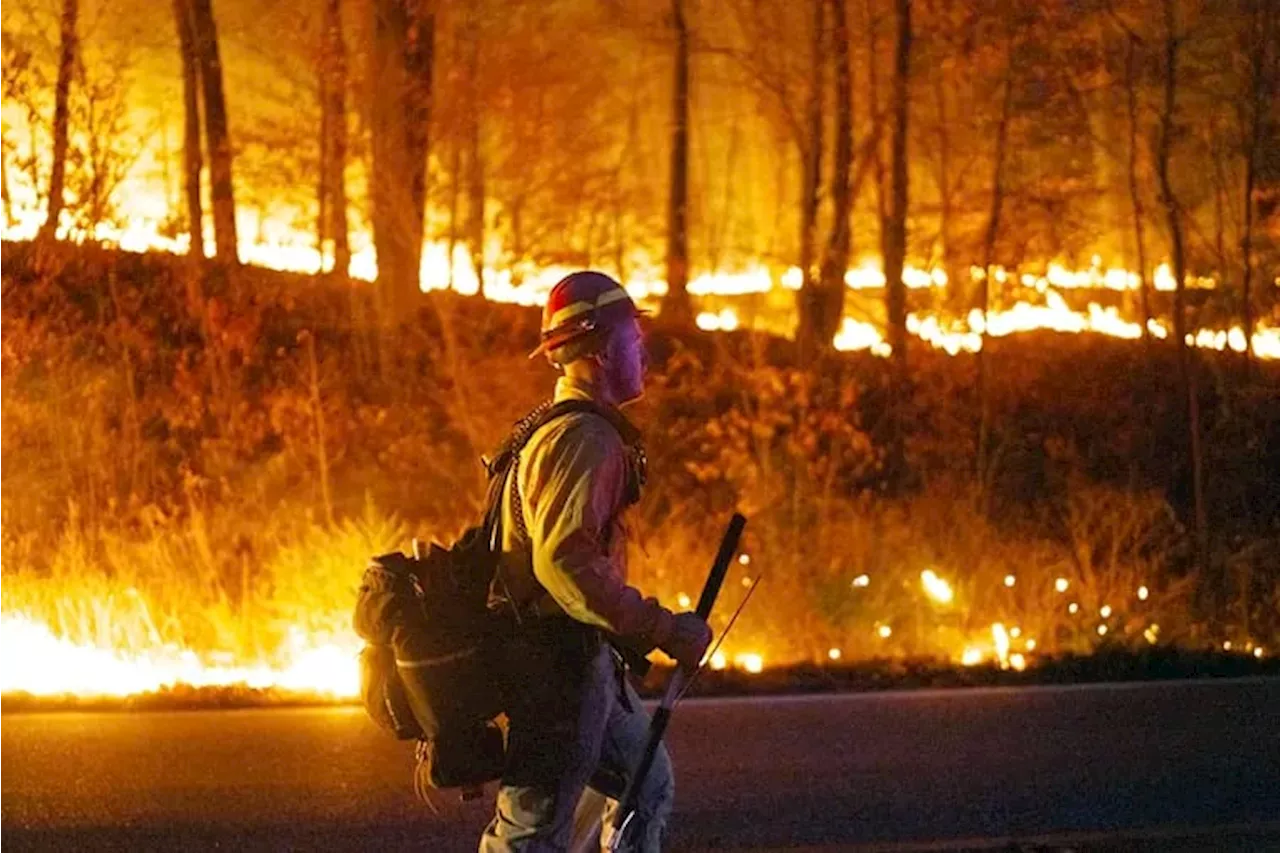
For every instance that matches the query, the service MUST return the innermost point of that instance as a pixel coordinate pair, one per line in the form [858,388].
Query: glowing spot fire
[938,589]
[1000,637]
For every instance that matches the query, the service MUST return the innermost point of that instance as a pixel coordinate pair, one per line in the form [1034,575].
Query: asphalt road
[1169,766]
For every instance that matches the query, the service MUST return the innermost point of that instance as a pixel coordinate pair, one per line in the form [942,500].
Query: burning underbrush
[197,468]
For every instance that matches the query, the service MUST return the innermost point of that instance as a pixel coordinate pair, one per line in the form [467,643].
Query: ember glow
[938,589]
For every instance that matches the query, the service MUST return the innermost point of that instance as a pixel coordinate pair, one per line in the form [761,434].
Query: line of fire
[971,306]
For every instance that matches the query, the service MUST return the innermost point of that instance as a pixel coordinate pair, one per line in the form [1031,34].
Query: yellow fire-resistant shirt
[572,477]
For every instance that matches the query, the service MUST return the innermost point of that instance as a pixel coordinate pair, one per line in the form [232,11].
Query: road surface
[1160,766]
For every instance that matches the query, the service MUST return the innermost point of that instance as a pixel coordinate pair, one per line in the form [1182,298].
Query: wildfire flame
[48,665]
[274,242]
[52,665]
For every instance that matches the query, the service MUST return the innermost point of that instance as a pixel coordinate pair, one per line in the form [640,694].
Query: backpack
[429,670]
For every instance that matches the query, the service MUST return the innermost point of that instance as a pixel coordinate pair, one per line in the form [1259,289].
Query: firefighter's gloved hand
[687,640]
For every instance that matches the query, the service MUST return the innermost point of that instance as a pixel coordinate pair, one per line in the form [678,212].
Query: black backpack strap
[543,414]
[625,429]
[503,463]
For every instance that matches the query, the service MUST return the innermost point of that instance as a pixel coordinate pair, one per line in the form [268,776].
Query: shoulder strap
[503,462]
[625,429]
[544,414]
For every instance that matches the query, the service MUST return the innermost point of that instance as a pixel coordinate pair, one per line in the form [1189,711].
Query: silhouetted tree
[400,77]
[823,306]
[991,234]
[1261,34]
[333,223]
[675,302]
[811,181]
[217,134]
[192,155]
[61,114]
[475,151]
[1131,59]
[1173,211]
[894,238]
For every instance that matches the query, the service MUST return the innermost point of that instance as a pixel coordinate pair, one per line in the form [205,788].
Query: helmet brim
[579,328]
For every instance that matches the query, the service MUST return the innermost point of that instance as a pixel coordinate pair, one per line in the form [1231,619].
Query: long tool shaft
[658,727]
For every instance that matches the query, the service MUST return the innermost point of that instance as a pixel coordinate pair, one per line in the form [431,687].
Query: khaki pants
[609,732]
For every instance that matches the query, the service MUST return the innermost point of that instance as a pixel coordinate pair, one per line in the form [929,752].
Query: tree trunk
[957,294]
[826,306]
[475,159]
[1219,201]
[895,234]
[455,184]
[61,117]
[1186,367]
[455,198]
[1262,35]
[322,171]
[400,80]
[1135,191]
[217,136]
[5,198]
[336,106]
[873,108]
[806,299]
[988,260]
[675,302]
[192,156]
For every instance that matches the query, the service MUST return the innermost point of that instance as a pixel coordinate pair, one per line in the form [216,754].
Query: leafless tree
[192,153]
[217,134]
[1261,35]
[894,238]
[1135,190]
[822,301]
[474,137]
[400,77]
[332,220]
[1173,211]
[990,235]
[675,303]
[61,114]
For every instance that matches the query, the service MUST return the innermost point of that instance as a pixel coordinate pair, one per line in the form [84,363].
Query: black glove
[688,640]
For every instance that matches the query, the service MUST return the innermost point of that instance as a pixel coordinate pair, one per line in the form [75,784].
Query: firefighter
[573,717]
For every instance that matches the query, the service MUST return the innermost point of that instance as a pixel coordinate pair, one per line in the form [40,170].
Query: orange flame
[49,665]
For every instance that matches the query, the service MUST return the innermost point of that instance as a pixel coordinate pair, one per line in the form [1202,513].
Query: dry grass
[214,474]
